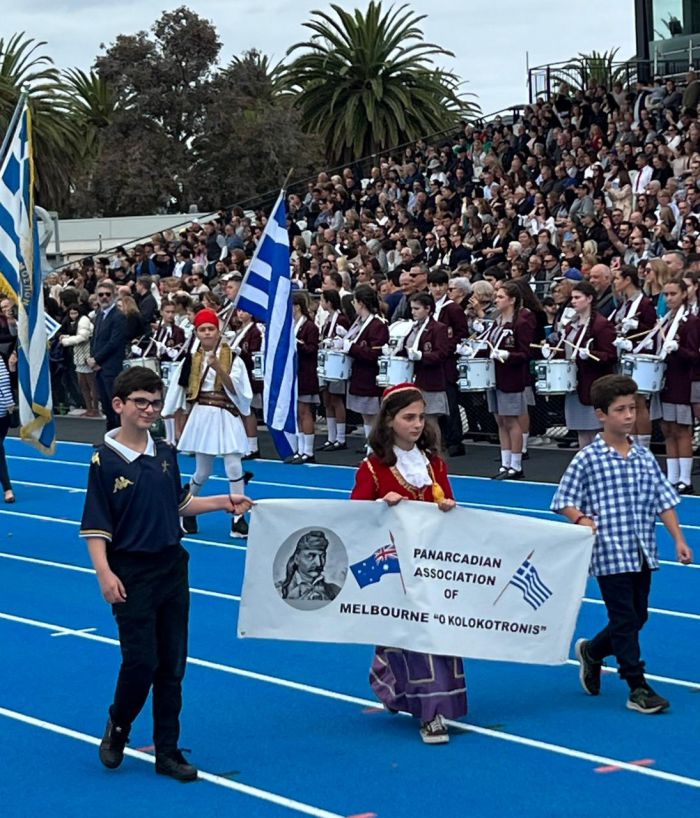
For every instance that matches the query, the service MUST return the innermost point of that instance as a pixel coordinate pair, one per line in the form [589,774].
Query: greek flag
[266,293]
[20,279]
[527,580]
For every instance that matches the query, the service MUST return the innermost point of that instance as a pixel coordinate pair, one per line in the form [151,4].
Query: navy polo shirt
[133,500]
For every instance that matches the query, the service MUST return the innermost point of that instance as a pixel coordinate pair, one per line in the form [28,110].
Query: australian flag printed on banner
[383,561]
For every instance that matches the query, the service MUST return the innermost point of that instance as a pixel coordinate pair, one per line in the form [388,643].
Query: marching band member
[509,339]
[334,328]
[678,342]
[168,335]
[363,343]
[404,466]
[588,328]
[307,336]
[691,280]
[449,313]
[245,342]
[635,316]
[214,382]
[427,345]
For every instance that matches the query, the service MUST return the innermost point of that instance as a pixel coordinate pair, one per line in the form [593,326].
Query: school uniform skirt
[362,404]
[695,392]
[506,404]
[579,418]
[680,413]
[210,430]
[435,403]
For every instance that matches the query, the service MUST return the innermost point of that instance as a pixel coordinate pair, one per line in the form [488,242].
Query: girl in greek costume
[245,342]
[334,329]
[678,342]
[214,382]
[509,339]
[307,337]
[364,342]
[427,345]
[589,340]
[404,465]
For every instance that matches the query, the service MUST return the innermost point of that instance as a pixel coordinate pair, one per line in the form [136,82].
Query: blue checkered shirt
[624,497]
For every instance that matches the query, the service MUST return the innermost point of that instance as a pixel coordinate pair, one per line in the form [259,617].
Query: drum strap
[630,308]
[358,328]
[414,337]
[659,328]
[238,338]
[581,334]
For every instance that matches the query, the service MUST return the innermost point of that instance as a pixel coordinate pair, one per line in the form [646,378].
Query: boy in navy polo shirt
[131,522]
[616,488]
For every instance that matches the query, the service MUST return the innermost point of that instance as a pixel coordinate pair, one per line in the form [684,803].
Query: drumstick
[590,354]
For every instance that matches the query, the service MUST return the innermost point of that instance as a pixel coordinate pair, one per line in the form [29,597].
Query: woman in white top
[80,343]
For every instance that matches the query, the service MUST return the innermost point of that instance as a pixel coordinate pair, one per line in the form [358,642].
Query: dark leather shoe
[112,745]
[176,766]
[251,455]
[189,525]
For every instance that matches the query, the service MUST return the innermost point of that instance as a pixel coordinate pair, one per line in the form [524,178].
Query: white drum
[167,371]
[475,374]
[149,363]
[258,366]
[394,370]
[649,372]
[557,377]
[334,365]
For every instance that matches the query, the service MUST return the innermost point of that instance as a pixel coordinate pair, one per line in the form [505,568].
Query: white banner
[463,583]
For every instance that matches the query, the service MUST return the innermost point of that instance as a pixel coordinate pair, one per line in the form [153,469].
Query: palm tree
[367,81]
[56,135]
[94,103]
[596,68]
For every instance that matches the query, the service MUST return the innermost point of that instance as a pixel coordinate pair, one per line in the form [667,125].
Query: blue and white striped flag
[528,581]
[20,278]
[266,293]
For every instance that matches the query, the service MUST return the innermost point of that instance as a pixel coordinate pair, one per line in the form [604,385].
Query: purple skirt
[421,684]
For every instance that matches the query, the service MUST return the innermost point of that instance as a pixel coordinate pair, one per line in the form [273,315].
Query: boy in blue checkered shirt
[617,488]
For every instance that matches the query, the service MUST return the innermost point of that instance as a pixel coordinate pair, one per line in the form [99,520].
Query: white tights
[204,465]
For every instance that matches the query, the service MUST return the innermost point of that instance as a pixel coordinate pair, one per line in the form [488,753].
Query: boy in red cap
[213,383]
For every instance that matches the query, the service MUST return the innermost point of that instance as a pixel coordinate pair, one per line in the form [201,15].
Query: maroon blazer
[171,336]
[429,372]
[307,357]
[680,365]
[365,352]
[603,334]
[342,321]
[514,374]
[250,344]
[645,314]
[455,319]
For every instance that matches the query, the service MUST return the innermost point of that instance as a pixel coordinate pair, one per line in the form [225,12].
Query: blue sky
[489,39]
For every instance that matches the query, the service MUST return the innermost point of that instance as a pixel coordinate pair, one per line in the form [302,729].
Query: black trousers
[4,473]
[105,388]
[626,598]
[153,625]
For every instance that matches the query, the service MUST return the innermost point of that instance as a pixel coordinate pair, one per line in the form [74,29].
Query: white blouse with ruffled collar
[413,466]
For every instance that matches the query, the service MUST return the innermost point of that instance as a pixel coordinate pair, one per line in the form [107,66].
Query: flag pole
[393,542]
[529,556]
[13,122]
[286,181]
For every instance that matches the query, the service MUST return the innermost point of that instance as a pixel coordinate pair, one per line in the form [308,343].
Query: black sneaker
[435,731]
[239,528]
[645,700]
[176,766]
[112,745]
[589,672]
[189,525]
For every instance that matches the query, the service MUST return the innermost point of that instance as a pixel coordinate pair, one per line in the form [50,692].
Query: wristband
[579,518]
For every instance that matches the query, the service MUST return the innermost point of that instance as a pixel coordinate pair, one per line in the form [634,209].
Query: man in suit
[107,348]
[148,307]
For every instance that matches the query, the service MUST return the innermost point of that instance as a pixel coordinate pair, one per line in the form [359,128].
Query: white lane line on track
[691,499]
[217,595]
[245,789]
[464,503]
[356,700]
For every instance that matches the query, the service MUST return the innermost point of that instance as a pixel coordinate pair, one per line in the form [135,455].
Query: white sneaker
[435,731]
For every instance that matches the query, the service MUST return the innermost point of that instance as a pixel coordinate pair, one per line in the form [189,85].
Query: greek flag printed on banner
[20,279]
[528,581]
[266,293]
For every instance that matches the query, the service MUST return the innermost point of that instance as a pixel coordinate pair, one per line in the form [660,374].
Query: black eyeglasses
[144,403]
